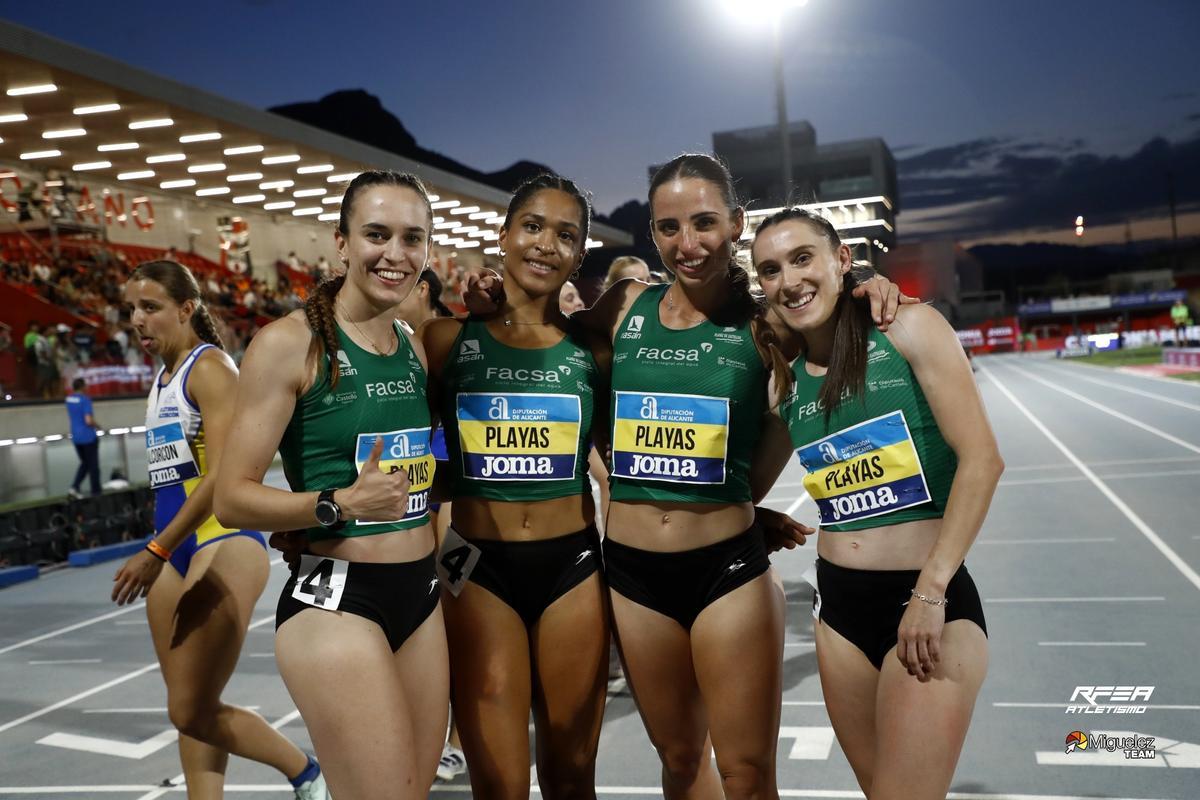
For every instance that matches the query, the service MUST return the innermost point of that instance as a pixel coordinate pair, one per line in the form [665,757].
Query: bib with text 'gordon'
[169,456]
[670,437]
[406,450]
[511,436]
[865,470]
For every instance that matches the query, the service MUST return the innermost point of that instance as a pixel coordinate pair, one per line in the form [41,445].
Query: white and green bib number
[320,581]
[456,561]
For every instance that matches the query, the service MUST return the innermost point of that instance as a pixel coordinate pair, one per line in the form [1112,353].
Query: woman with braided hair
[199,610]
[339,389]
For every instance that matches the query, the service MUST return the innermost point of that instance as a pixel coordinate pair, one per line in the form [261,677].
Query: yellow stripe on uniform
[655,437]
[872,468]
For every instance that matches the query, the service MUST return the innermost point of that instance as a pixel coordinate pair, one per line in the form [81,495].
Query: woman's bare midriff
[674,527]
[508,521]
[903,546]
[382,548]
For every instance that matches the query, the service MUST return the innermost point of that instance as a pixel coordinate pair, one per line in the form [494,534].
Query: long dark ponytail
[846,377]
[318,309]
[181,286]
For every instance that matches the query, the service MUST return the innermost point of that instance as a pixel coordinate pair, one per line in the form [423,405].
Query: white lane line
[1075,600]
[1139,375]
[96,690]
[1145,529]
[1091,644]
[131,622]
[1077,478]
[804,702]
[799,502]
[1114,462]
[70,628]
[1111,412]
[177,782]
[60,631]
[144,710]
[1064,705]
[1051,540]
[65,661]
[1151,395]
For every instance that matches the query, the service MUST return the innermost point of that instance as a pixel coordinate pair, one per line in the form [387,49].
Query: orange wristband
[158,551]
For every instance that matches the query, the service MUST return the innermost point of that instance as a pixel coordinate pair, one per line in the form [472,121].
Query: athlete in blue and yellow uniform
[199,611]
[902,464]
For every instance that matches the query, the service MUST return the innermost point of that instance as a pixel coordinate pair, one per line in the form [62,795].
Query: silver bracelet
[930,600]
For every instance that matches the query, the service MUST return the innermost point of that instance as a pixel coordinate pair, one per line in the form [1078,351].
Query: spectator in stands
[293,262]
[84,340]
[45,368]
[626,267]
[116,480]
[1181,318]
[83,436]
[322,268]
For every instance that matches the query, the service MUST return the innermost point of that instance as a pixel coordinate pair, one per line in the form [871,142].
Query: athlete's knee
[192,715]
[746,777]
[683,763]
[568,776]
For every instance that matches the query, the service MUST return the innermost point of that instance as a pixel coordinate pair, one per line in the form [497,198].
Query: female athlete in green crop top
[340,390]
[902,464]
[526,612]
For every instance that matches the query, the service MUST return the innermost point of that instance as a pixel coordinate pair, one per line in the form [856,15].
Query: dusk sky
[1005,118]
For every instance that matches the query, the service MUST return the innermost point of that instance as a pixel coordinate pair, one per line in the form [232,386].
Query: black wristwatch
[329,513]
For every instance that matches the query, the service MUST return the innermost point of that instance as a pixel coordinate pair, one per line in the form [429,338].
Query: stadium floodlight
[206,168]
[17,117]
[40,154]
[282,204]
[112,148]
[92,165]
[64,133]
[161,122]
[97,109]
[179,184]
[281,159]
[307,212]
[199,137]
[215,190]
[313,169]
[329,217]
[464,210]
[244,176]
[445,204]
[165,158]
[330,201]
[491,251]
[343,177]
[468,244]
[136,175]
[481,215]
[308,193]
[243,149]
[250,198]
[276,185]
[40,88]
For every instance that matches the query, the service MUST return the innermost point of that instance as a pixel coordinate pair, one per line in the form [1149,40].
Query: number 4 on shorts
[455,562]
[320,581]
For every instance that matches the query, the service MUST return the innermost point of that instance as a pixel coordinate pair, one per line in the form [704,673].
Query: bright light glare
[759,11]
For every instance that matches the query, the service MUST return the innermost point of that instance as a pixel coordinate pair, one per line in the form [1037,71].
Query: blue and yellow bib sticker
[168,456]
[406,450]
[863,471]
[682,438]
[513,436]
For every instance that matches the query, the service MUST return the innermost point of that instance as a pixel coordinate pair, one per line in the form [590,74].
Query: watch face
[327,513]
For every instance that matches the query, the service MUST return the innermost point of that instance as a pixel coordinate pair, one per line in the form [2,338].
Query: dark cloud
[994,185]
[1193,117]
[1175,96]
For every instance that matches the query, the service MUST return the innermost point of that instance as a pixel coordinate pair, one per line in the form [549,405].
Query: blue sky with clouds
[998,113]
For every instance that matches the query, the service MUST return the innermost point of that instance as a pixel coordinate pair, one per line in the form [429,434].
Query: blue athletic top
[78,407]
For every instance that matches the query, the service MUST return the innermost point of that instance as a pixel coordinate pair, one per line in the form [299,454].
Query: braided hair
[318,309]
[181,286]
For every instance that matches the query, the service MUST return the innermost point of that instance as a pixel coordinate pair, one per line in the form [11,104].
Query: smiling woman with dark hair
[526,616]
